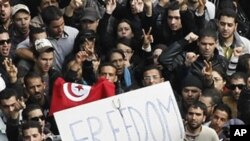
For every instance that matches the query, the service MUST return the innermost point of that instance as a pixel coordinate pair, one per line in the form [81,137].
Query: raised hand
[147,38]
[148,3]
[10,69]
[163,3]
[139,5]
[207,70]
[110,6]
[81,56]
[76,3]
[89,47]
[148,7]
[191,37]
[237,51]
[190,58]
[201,6]
[18,106]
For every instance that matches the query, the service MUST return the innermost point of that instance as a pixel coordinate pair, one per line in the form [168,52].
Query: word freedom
[151,124]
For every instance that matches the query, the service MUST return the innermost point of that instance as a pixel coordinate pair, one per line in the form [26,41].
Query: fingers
[148,33]
[82,54]
[208,65]
[7,63]
[20,104]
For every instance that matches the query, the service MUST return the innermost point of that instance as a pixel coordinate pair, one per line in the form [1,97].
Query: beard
[37,97]
[194,126]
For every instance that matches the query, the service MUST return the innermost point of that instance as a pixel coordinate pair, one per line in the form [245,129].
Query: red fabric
[102,89]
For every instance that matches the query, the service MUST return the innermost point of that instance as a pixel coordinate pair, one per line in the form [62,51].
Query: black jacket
[173,62]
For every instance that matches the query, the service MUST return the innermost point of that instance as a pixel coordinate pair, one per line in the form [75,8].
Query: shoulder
[207,129]
[24,44]
[71,30]
[210,133]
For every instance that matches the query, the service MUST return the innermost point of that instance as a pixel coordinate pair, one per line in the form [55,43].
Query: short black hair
[229,12]
[35,30]
[208,32]
[104,64]
[116,51]
[8,93]
[50,14]
[214,94]
[238,75]
[32,74]
[224,107]
[151,67]
[31,124]
[199,104]
[174,5]
[30,108]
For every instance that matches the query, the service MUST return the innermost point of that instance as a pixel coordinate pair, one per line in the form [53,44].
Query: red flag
[67,94]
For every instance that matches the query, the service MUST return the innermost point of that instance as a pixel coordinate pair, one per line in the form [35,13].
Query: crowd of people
[201,46]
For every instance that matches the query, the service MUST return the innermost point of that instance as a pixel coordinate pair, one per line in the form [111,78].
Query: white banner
[147,114]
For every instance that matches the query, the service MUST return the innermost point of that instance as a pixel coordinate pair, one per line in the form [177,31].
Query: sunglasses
[2,42]
[37,118]
[233,87]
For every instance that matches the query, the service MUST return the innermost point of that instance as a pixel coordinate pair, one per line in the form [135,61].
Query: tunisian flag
[67,94]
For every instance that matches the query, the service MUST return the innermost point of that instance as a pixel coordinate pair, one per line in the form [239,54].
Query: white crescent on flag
[76,92]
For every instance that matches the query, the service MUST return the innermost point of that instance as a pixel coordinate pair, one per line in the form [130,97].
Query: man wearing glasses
[35,113]
[237,82]
[151,76]
[11,106]
[8,70]
[32,113]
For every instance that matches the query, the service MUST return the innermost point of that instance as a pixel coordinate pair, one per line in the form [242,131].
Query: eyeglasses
[154,77]
[42,117]
[2,42]
[233,86]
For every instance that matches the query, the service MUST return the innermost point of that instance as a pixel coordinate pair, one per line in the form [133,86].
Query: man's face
[190,94]
[208,102]
[152,77]
[45,61]
[89,25]
[8,105]
[56,28]
[117,60]
[32,134]
[35,88]
[22,22]
[109,73]
[207,46]
[5,11]
[236,87]
[219,118]
[174,20]
[5,44]
[46,3]
[37,115]
[195,117]
[227,27]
